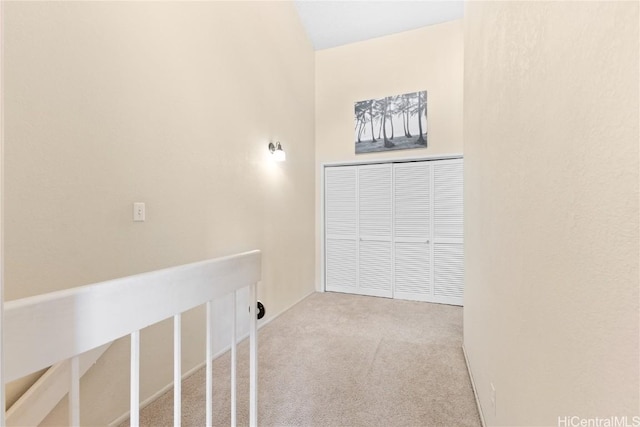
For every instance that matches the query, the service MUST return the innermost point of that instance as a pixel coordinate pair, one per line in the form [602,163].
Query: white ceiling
[334,23]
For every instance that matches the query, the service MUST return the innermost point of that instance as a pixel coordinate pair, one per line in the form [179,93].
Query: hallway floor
[344,360]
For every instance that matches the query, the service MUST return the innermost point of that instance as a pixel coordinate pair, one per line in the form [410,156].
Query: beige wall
[167,103]
[551,209]
[430,58]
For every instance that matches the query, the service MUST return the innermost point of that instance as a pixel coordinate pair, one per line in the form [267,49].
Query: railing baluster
[177,371]
[74,391]
[253,356]
[134,418]
[2,204]
[233,361]
[209,369]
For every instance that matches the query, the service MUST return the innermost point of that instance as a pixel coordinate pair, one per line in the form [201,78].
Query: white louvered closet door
[341,219]
[412,231]
[375,230]
[448,232]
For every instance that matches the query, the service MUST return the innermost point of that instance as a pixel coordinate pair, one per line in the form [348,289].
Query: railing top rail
[44,329]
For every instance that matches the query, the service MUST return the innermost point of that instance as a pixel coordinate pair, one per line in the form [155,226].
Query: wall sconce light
[278,153]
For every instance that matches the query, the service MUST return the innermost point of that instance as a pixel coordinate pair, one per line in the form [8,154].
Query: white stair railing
[45,329]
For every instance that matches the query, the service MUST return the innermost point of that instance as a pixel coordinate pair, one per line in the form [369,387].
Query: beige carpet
[344,360]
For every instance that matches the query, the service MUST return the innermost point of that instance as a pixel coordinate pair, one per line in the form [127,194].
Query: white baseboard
[473,386]
[193,370]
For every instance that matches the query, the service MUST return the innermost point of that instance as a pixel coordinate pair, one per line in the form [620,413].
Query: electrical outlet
[493,399]
[138,211]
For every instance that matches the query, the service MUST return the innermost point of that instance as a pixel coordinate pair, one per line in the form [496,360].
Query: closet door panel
[448,273]
[375,268]
[448,199]
[341,213]
[412,271]
[341,209]
[448,230]
[375,212]
[412,231]
[412,200]
[342,264]
[375,204]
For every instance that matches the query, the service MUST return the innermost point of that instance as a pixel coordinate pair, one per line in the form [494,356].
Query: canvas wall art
[392,123]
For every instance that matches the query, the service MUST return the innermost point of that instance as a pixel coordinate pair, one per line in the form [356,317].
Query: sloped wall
[167,103]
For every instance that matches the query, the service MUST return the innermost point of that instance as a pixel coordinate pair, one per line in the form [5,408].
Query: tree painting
[400,123]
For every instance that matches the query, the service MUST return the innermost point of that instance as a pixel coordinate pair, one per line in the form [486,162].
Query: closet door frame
[321,285]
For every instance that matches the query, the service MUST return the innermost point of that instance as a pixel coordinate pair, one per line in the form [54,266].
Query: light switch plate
[138,211]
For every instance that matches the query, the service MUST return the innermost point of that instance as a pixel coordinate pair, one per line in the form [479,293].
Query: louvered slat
[449,272]
[448,199]
[375,204]
[412,199]
[340,201]
[375,268]
[341,264]
[412,271]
